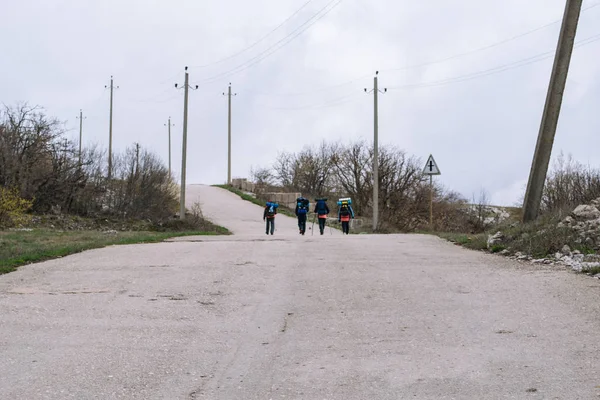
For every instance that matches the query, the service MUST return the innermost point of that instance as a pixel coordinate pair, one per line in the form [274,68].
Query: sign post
[431,169]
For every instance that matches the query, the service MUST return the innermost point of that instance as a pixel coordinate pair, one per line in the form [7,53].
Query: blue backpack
[321,207]
[303,205]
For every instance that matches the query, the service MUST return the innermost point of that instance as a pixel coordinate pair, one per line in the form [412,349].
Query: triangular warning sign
[431,167]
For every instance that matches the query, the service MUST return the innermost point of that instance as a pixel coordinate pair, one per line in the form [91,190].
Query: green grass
[20,247]
[474,241]
[592,271]
[281,210]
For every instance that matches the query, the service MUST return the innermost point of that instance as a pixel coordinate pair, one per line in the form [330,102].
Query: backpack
[303,205]
[344,210]
[345,206]
[271,211]
[321,207]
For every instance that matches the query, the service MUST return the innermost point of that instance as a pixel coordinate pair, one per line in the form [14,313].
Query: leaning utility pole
[184,146]
[110,129]
[80,133]
[376,91]
[556,88]
[229,134]
[169,125]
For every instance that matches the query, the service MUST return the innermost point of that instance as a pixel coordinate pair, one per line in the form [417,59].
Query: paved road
[288,317]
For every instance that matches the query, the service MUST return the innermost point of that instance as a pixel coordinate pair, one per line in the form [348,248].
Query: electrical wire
[257,42]
[473,51]
[491,71]
[458,79]
[455,56]
[273,49]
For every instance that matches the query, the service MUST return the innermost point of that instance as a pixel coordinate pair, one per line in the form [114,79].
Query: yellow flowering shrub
[13,208]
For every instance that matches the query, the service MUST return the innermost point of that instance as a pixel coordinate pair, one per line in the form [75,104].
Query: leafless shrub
[42,165]
[570,184]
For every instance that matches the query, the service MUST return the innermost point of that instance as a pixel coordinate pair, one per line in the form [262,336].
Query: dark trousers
[271,223]
[322,224]
[302,222]
[346,227]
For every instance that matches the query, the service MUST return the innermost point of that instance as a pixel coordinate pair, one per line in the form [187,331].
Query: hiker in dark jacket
[321,209]
[345,213]
[302,208]
[269,215]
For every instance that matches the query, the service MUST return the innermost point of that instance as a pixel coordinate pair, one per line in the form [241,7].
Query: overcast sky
[304,81]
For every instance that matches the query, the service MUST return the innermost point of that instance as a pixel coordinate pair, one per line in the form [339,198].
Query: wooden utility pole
[556,88]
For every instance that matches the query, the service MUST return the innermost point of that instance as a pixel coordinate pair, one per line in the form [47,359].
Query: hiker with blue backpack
[321,210]
[269,215]
[302,208]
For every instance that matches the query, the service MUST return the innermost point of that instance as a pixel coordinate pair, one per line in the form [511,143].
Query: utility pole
[137,159]
[556,88]
[110,129]
[169,125]
[376,91]
[80,133]
[229,134]
[184,146]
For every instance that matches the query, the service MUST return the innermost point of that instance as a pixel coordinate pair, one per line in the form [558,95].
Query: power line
[272,49]
[415,66]
[486,47]
[257,42]
[457,79]
[495,70]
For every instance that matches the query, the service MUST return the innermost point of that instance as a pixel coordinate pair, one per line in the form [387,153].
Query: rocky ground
[581,228]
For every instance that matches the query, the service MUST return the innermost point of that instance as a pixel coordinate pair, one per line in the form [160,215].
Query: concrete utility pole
[80,133]
[137,159]
[110,129]
[169,125]
[556,88]
[229,94]
[184,146]
[376,91]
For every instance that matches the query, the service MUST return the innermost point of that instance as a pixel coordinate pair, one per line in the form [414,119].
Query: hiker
[345,212]
[322,210]
[302,207]
[269,215]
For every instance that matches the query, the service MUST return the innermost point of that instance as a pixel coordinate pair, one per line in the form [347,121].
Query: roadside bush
[13,208]
[570,184]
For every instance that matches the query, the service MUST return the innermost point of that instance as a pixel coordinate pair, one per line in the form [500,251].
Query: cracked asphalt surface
[251,316]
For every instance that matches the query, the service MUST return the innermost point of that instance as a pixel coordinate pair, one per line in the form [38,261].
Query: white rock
[539,261]
[495,239]
[566,249]
[586,212]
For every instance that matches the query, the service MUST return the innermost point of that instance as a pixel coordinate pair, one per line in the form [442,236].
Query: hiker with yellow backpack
[345,213]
